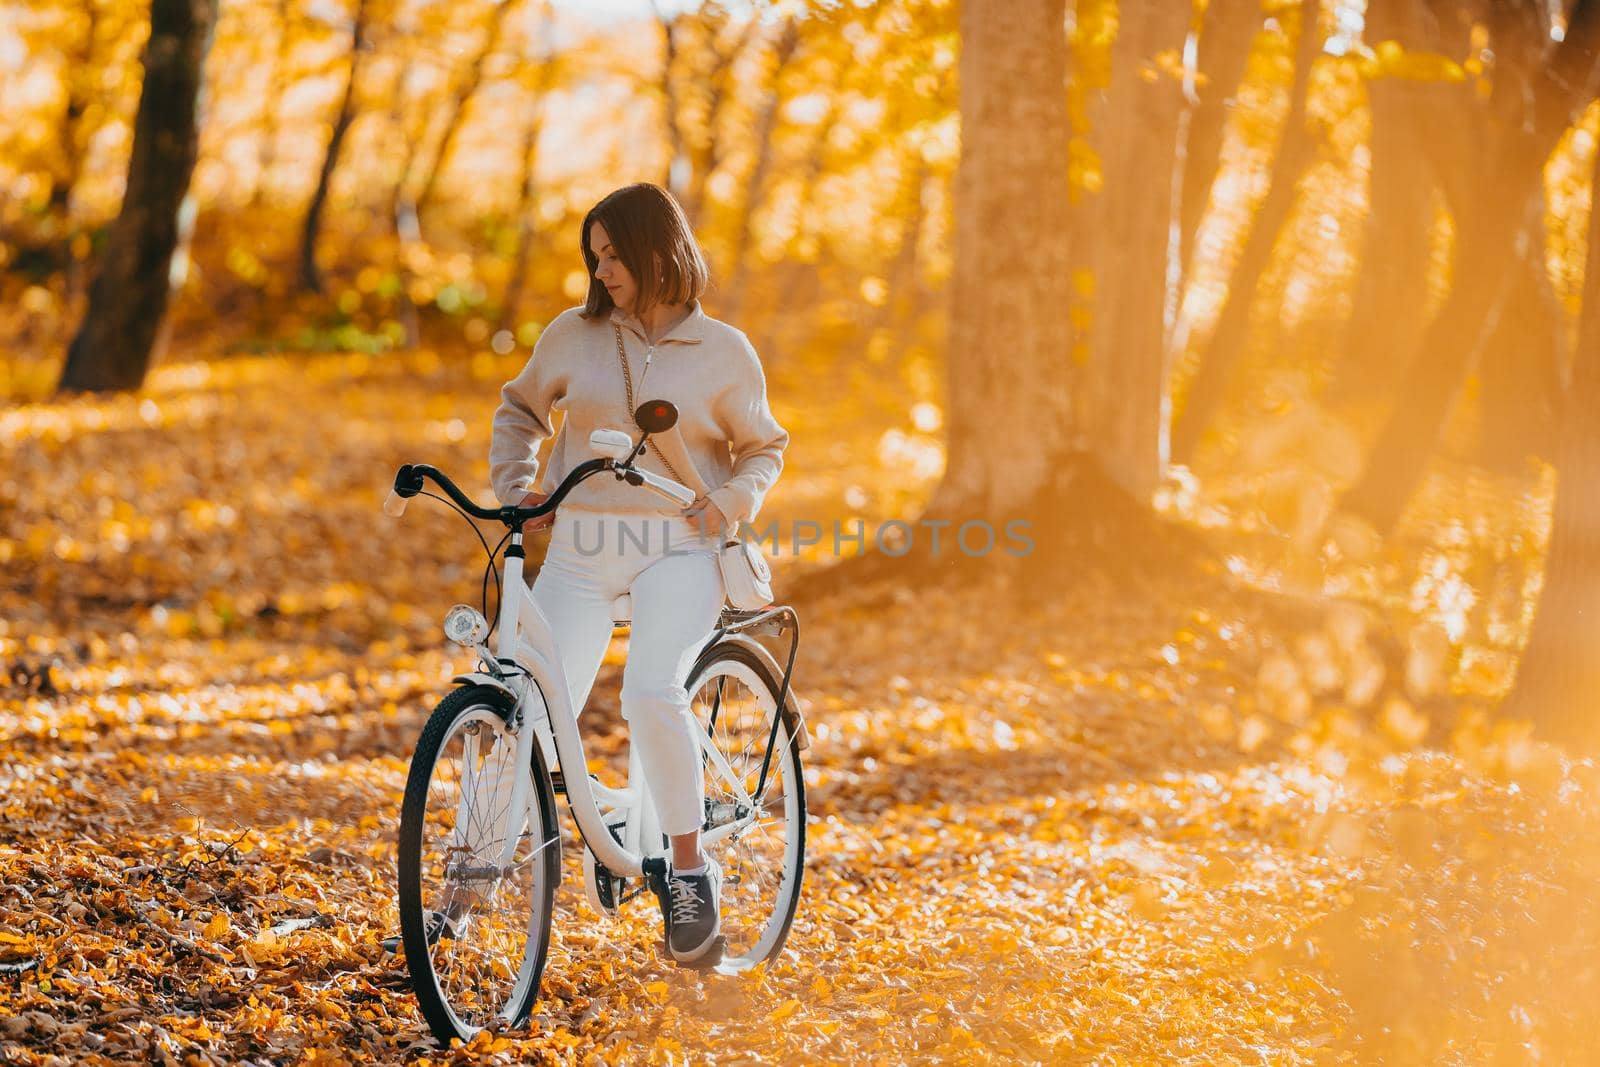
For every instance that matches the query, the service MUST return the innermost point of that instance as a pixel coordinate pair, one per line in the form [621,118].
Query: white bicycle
[480,848]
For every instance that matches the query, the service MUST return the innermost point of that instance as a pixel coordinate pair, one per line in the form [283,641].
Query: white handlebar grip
[673,491]
[395,504]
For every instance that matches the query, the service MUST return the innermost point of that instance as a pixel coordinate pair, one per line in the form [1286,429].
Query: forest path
[1058,837]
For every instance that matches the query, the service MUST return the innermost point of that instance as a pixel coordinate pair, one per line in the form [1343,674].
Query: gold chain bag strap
[746,574]
[627,382]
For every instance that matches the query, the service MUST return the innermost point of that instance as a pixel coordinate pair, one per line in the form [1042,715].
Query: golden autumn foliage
[1108,831]
[1257,811]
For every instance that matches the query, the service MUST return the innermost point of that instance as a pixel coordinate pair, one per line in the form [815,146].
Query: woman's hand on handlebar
[530,500]
[706,517]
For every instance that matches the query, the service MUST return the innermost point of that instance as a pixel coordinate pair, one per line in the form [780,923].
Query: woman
[610,538]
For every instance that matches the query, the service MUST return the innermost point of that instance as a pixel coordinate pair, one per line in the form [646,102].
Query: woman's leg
[575,590]
[676,600]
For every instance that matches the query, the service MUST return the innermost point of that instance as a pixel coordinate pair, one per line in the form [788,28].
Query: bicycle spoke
[483,901]
[760,837]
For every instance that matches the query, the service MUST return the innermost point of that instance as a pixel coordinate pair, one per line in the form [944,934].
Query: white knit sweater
[707,368]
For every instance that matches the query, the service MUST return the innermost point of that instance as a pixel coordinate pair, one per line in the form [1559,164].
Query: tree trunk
[268,153]
[526,228]
[797,282]
[74,145]
[527,231]
[310,274]
[706,146]
[1014,468]
[80,82]
[1519,371]
[1226,344]
[1560,670]
[1223,49]
[903,280]
[1487,235]
[677,157]
[1126,379]
[465,91]
[1009,420]
[114,345]
[756,185]
[1391,295]
[401,216]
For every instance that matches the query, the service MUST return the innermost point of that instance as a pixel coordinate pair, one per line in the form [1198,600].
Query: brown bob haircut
[652,237]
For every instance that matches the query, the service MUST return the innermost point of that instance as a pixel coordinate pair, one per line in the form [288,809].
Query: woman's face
[609,269]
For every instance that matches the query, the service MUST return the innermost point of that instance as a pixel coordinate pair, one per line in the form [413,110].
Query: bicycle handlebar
[409,479]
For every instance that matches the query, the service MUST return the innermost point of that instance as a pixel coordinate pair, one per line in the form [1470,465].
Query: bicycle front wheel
[755,830]
[476,879]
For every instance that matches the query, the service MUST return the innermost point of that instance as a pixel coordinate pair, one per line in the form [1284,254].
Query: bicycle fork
[493,807]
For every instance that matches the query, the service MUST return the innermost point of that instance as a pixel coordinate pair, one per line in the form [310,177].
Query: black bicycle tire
[409,889]
[737,651]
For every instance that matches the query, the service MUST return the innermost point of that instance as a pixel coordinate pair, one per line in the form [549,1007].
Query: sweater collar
[691,331]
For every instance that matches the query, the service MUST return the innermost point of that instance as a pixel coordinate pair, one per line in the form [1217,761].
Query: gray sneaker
[694,912]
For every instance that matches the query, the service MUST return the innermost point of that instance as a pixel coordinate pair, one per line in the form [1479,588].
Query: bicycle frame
[527,640]
[527,659]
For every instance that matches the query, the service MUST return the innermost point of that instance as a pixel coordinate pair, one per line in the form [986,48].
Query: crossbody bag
[746,574]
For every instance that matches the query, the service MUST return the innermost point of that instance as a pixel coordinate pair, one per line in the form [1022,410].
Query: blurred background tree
[128,300]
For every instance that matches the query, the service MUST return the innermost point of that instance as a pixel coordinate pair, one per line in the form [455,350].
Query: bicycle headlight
[466,626]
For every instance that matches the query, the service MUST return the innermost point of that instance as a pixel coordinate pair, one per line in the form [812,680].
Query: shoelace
[440,927]
[685,900]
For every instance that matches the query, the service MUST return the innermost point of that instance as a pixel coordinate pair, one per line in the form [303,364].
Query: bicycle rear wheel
[756,831]
[476,927]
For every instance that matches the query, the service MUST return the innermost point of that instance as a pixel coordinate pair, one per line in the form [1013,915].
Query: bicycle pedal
[605,886]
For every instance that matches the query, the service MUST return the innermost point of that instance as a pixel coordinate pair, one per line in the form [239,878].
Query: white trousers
[676,587]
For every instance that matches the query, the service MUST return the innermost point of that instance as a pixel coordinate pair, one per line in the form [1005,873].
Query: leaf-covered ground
[1167,828]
